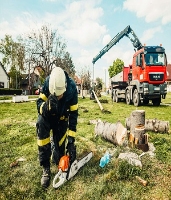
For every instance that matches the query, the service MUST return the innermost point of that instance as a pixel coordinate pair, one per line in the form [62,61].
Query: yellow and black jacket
[68,105]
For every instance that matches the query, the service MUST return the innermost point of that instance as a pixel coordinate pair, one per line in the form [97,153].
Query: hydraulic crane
[145,79]
[128,32]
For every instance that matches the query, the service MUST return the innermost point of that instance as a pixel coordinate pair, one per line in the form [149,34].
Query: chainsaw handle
[61,176]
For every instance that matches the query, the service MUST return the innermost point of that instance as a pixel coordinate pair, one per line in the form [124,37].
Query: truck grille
[156,76]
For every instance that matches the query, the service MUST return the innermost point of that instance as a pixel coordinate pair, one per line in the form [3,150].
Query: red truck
[145,79]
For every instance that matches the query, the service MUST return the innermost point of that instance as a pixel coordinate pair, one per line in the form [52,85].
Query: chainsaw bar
[63,176]
[76,165]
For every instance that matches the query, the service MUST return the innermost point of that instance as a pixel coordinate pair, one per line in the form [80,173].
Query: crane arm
[128,30]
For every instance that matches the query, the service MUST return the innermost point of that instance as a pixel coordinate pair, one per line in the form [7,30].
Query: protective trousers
[59,128]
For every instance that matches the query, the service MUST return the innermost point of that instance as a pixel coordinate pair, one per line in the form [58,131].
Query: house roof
[4,69]
[169,72]
[77,80]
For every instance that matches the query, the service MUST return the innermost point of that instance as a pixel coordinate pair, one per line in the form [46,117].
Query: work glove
[50,107]
[71,149]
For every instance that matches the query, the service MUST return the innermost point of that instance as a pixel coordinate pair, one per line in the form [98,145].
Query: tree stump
[115,133]
[137,127]
[139,135]
[137,119]
[154,125]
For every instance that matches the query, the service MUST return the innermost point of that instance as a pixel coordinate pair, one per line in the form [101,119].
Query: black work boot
[45,180]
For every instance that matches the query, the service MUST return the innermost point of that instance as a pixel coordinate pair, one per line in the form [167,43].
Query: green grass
[114,181]
[9,97]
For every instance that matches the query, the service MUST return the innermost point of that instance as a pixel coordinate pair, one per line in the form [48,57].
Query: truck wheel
[116,97]
[128,98]
[156,102]
[136,98]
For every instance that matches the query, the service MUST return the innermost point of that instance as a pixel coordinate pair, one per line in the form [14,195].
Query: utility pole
[29,79]
[16,78]
[105,79]
[93,79]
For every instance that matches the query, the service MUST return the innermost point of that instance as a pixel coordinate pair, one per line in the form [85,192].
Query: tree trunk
[115,133]
[100,105]
[139,135]
[153,125]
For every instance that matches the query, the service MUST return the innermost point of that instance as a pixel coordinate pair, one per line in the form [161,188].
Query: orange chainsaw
[67,171]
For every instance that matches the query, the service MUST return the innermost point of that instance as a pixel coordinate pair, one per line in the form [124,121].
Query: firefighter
[57,107]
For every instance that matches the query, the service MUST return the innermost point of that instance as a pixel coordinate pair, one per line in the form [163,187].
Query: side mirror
[166,60]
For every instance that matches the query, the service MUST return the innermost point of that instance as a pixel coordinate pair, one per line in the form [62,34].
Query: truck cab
[149,73]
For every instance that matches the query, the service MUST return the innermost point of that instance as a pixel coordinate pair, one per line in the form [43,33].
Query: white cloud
[116,9]
[152,10]
[20,25]
[117,52]
[148,34]
[106,39]
[82,22]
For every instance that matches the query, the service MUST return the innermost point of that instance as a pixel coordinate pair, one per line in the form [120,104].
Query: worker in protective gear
[57,106]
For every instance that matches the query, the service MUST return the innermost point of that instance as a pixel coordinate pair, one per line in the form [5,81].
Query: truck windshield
[155,59]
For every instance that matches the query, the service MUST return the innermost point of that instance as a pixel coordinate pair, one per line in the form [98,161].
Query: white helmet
[57,81]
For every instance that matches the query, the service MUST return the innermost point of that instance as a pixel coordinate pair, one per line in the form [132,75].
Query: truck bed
[119,84]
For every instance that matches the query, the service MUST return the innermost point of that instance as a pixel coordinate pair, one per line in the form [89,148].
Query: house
[28,86]
[4,78]
[169,77]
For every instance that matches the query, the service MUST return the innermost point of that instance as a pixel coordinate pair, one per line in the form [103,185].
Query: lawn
[115,181]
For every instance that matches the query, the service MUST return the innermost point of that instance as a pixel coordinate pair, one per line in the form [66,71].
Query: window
[155,59]
[139,60]
[1,84]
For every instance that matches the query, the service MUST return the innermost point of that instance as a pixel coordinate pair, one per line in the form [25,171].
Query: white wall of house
[4,80]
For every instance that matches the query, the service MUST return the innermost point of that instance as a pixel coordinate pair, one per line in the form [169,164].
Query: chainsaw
[67,171]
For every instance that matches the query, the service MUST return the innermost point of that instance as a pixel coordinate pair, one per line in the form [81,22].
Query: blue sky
[88,25]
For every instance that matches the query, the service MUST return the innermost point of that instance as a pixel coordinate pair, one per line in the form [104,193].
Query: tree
[13,54]
[116,68]
[68,65]
[85,77]
[45,47]
[98,86]
[40,48]
[99,83]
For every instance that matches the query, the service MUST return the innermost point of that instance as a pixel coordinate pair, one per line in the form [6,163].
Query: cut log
[115,133]
[157,125]
[154,125]
[100,105]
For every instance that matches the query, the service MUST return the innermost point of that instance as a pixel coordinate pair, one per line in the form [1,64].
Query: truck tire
[116,97]
[128,97]
[156,102]
[136,98]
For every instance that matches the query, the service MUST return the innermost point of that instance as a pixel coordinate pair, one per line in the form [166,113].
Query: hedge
[7,91]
